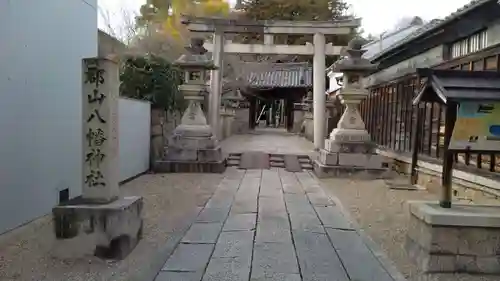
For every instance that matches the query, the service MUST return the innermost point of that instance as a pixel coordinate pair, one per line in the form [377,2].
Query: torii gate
[318,49]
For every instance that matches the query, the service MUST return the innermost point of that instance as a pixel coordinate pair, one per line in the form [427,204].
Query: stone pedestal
[308,126]
[227,118]
[343,159]
[99,221]
[235,114]
[192,147]
[109,231]
[464,238]
[298,117]
[241,120]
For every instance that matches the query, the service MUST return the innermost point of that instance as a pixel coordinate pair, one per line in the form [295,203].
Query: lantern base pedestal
[109,231]
[166,166]
[322,170]
[192,149]
[349,152]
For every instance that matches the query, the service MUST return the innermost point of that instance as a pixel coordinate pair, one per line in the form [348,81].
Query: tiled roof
[434,25]
[456,85]
[378,46]
[279,75]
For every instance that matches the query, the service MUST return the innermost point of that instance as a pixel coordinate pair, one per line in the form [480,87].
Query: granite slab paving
[272,225]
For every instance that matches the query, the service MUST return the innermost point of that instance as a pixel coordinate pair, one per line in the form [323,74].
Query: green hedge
[154,79]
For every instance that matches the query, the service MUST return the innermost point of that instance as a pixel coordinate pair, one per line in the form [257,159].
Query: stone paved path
[266,225]
[269,143]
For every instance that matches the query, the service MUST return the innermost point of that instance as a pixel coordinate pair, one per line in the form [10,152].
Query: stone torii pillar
[319,96]
[214,97]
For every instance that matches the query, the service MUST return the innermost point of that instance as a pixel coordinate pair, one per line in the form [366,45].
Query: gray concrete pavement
[272,225]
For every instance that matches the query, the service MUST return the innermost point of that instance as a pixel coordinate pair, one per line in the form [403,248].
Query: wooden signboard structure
[472,116]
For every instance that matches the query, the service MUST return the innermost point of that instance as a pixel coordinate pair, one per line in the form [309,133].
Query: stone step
[274,155]
[254,160]
[277,164]
[401,184]
[232,163]
[292,163]
[307,166]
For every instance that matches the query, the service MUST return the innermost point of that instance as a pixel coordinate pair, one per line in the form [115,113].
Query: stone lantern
[308,124]
[349,148]
[234,114]
[193,147]
[241,108]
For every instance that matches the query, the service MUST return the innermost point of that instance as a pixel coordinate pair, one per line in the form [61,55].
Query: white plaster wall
[494,33]
[41,47]
[134,129]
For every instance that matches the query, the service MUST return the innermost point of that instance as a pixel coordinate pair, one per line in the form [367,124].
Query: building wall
[43,43]
[425,59]
[494,33]
[108,44]
[134,137]
[390,116]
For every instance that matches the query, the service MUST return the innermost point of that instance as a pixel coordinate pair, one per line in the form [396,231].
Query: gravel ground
[27,253]
[382,213]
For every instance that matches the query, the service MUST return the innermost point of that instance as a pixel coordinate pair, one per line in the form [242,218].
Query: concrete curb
[389,266]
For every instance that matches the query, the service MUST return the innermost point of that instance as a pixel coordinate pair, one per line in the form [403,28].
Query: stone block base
[349,147]
[350,135]
[193,154]
[368,161]
[167,166]
[336,171]
[328,158]
[464,238]
[109,231]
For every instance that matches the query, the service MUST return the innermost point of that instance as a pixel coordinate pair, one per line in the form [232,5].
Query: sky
[377,16]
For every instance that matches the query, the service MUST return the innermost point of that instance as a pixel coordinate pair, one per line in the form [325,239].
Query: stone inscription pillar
[113,223]
[216,83]
[319,96]
[100,130]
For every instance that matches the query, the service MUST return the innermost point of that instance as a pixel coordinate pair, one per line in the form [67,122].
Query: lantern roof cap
[196,58]
[353,61]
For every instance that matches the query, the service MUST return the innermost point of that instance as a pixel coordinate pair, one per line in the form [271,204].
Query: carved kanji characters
[94,157]
[96,97]
[95,178]
[95,137]
[95,114]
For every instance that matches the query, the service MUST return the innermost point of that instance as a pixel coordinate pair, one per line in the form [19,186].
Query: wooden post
[251,113]
[416,144]
[447,173]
